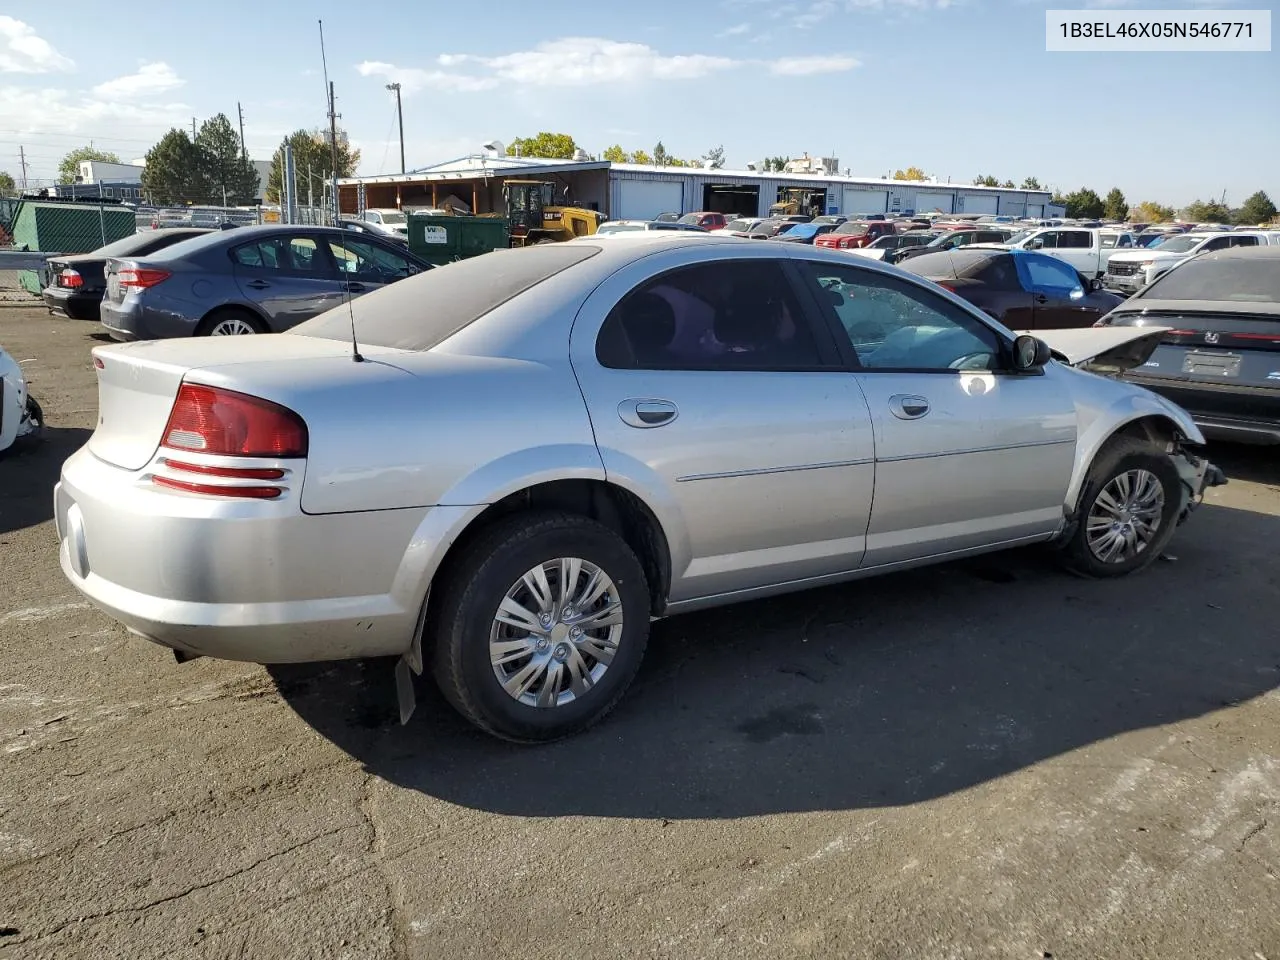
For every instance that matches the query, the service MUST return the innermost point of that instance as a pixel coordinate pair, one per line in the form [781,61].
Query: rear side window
[727,315]
[1075,240]
[1255,280]
[424,311]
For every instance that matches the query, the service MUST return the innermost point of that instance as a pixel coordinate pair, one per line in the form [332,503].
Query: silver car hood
[1102,349]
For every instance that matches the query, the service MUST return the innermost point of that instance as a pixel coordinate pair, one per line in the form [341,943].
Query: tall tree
[1256,209]
[173,173]
[1058,200]
[1115,207]
[615,154]
[987,181]
[714,157]
[69,168]
[1148,211]
[1031,183]
[911,173]
[642,158]
[776,164]
[551,146]
[311,158]
[660,156]
[8,188]
[1207,211]
[1009,184]
[1084,204]
[225,171]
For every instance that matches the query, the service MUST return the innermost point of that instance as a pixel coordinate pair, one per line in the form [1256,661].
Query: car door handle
[356,287]
[906,407]
[1041,298]
[645,414]
[257,284]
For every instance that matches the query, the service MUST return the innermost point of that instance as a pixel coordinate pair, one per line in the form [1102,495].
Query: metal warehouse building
[624,191]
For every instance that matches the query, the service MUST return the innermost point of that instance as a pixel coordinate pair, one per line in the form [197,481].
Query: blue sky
[957,87]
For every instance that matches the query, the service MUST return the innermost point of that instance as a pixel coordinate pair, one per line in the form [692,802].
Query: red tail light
[141,277]
[213,420]
[70,278]
[947,286]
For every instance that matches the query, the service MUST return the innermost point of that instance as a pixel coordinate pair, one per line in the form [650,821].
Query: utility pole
[333,145]
[400,117]
[193,128]
[244,153]
[22,159]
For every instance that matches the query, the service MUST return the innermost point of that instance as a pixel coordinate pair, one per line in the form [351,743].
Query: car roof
[1260,252]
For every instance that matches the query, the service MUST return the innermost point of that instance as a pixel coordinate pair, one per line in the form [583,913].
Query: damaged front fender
[1197,475]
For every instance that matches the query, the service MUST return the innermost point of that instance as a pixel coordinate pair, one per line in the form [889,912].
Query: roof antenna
[351,310]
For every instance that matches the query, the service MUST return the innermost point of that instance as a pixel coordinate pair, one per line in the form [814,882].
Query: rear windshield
[423,311]
[740,225]
[951,263]
[1255,280]
[1180,244]
[140,241]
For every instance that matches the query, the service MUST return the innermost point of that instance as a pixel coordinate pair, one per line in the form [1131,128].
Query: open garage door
[981,203]
[645,199]
[735,199]
[933,203]
[857,201]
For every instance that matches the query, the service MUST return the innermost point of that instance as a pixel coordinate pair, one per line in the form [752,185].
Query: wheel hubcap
[231,328]
[1125,516]
[556,632]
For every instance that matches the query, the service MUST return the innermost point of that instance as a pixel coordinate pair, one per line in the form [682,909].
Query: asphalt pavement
[989,759]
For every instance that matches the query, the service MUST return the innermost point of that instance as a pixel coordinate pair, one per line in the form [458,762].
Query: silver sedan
[501,470]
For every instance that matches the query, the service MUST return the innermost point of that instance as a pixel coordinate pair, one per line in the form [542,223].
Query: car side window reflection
[894,325]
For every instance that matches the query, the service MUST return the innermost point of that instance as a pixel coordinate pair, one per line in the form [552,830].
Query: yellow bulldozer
[797,200]
[535,216]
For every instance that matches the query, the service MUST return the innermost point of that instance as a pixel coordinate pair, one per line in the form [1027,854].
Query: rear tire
[230,323]
[576,609]
[1128,511]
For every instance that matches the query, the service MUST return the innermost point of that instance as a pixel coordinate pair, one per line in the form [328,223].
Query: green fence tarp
[67,228]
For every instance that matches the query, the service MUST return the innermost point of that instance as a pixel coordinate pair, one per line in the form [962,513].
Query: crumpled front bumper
[1197,475]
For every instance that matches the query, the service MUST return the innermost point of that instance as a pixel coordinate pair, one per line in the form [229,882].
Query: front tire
[541,627]
[1128,511]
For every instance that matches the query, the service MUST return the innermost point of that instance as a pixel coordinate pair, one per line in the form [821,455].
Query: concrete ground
[981,760]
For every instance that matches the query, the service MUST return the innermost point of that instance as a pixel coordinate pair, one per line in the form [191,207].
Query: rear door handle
[356,288]
[645,414]
[907,407]
[258,284]
[1041,298]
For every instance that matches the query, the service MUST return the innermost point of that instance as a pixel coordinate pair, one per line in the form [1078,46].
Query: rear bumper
[72,304]
[242,580]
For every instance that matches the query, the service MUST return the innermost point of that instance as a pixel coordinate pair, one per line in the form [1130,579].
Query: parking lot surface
[989,759]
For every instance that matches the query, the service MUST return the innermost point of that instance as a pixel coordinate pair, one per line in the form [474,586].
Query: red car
[855,234]
[704,219]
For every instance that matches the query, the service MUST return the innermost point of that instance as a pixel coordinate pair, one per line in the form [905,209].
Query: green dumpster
[441,240]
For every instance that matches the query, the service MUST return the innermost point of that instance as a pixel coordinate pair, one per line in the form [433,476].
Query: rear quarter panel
[421,429]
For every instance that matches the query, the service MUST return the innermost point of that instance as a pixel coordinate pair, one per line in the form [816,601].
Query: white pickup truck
[1086,248]
[1131,270]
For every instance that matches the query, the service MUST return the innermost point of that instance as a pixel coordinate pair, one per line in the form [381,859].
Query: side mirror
[1030,354]
[1095,284]
[1037,244]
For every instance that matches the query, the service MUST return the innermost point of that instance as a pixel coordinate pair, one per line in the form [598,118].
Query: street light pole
[400,117]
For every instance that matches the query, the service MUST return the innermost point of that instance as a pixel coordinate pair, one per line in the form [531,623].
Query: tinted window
[894,325]
[954,263]
[1046,273]
[1252,280]
[1075,239]
[991,236]
[998,273]
[362,260]
[731,315]
[1219,243]
[427,309]
[294,254]
[142,243]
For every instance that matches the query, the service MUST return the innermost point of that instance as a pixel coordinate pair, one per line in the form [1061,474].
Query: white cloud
[808,66]
[820,10]
[150,80]
[582,61]
[21,51]
[737,30]
[413,79]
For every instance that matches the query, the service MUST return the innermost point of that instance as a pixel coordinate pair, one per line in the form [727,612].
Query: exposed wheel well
[616,508]
[212,317]
[1156,429]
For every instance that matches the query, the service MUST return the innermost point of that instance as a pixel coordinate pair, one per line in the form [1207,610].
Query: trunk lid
[137,384]
[1222,347]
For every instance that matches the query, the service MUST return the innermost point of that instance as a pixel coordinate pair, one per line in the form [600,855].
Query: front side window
[1049,275]
[1047,240]
[894,325]
[727,315]
[362,260]
[286,254]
